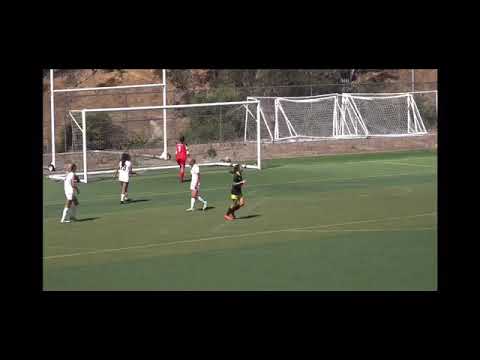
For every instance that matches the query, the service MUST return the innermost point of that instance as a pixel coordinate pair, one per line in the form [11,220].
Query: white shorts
[123,178]
[192,187]
[69,195]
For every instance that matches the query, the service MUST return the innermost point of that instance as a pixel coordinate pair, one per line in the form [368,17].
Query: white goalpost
[347,115]
[213,132]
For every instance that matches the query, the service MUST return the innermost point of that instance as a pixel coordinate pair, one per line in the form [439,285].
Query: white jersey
[67,185]
[195,172]
[124,171]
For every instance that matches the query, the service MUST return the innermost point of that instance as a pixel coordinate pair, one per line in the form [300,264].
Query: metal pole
[246,124]
[84,126]
[164,113]
[259,160]
[52,117]
[413,80]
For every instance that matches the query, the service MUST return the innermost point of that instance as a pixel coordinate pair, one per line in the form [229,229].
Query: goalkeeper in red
[181,152]
[236,194]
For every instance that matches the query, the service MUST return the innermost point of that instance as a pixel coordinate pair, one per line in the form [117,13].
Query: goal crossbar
[108,87]
[182,106]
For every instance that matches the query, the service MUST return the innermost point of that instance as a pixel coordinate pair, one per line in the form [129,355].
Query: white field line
[70,248]
[361,230]
[145,246]
[407,164]
[186,191]
[392,163]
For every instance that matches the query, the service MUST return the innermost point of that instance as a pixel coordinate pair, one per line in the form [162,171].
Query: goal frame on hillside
[342,119]
[54,91]
[82,127]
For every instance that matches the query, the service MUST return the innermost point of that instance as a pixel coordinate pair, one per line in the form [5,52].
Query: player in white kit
[124,170]
[70,186]
[195,186]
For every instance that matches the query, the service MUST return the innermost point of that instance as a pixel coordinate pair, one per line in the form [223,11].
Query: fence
[153,96]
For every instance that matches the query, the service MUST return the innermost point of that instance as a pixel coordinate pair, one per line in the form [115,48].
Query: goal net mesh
[212,133]
[306,118]
[384,115]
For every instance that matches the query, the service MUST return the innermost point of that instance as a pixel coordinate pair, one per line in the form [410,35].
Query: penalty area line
[146,246]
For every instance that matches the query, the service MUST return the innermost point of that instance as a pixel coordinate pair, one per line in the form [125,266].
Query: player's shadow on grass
[209,208]
[87,219]
[247,217]
[136,200]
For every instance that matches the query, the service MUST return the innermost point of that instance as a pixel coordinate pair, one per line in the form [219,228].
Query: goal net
[388,115]
[214,133]
[337,116]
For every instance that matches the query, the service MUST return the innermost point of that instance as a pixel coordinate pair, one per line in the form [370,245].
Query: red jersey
[181,151]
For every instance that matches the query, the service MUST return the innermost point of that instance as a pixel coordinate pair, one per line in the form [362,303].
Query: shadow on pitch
[87,219]
[248,217]
[209,208]
[136,200]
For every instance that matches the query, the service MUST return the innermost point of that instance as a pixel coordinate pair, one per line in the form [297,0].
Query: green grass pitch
[350,222]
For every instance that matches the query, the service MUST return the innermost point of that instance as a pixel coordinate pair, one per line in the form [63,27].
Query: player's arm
[115,174]
[74,184]
[241,182]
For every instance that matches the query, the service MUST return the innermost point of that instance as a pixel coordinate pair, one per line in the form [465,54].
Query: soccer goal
[214,133]
[343,116]
[388,114]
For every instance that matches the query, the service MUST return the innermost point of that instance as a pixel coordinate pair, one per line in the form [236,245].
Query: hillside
[201,85]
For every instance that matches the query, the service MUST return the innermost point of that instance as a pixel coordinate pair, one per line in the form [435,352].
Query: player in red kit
[181,152]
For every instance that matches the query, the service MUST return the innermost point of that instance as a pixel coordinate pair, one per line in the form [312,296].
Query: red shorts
[181,161]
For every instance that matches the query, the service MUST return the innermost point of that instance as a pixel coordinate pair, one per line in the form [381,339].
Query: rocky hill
[196,85]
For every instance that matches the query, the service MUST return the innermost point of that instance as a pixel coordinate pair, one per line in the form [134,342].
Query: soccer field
[350,222]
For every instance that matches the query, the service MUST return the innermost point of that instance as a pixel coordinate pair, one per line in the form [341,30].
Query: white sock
[122,197]
[64,214]
[126,196]
[200,198]
[192,203]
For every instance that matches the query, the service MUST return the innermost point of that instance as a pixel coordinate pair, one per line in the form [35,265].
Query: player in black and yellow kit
[236,194]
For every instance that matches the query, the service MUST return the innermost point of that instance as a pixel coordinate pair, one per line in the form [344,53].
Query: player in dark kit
[236,194]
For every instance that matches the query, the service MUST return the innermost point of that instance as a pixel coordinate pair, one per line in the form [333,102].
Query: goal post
[103,89]
[213,132]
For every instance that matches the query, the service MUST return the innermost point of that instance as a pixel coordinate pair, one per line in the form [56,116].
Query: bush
[211,152]
[136,141]
[102,134]
[205,126]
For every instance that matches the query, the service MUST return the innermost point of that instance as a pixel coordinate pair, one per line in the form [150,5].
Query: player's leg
[73,208]
[122,192]
[241,202]
[237,205]
[68,203]
[125,191]
[230,211]
[182,171]
[203,201]
[192,200]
